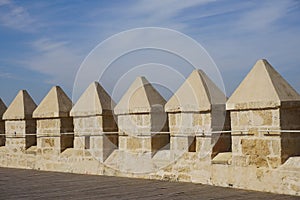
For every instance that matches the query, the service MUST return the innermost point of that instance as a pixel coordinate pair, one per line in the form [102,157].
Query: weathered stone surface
[262,119]
[197,107]
[141,97]
[92,118]
[94,101]
[204,148]
[19,123]
[88,125]
[187,168]
[257,149]
[272,107]
[140,115]
[269,86]
[17,137]
[20,108]
[54,125]
[259,146]
[55,104]
[90,130]
[198,93]
[183,144]
[55,129]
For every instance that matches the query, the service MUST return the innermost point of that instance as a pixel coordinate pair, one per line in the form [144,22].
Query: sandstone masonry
[250,141]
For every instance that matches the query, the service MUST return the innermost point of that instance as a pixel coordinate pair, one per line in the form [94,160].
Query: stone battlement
[249,141]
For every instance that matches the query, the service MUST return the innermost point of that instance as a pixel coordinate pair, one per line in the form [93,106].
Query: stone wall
[253,144]
[2,123]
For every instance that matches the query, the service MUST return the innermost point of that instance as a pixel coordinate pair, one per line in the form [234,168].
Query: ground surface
[30,184]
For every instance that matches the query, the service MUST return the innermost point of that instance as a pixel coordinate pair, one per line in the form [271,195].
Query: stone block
[18,134]
[262,117]
[274,161]
[102,146]
[48,126]
[240,160]
[180,144]
[81,142]
[55,133]
[47,145]
[88,125]
[244,118]
[189,123]
[264,145]
[234,119]
[134,124]
[144,143]
[123,143]
[259,149]
[197,119]
[172,120]
[15,127]
[139,144]
[16,145]
[204,147]
[140,115]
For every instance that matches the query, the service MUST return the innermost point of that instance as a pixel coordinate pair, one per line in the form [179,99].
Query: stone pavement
[31,184]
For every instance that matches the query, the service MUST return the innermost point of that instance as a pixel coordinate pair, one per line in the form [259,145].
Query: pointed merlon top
[94,101]
[20,108]
[198,93]
[55,104]
[2,108]
[263,87]
[141,97]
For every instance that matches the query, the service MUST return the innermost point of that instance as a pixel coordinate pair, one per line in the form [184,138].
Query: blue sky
[43,43]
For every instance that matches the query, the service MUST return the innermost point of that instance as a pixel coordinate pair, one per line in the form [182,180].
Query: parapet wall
[250,141]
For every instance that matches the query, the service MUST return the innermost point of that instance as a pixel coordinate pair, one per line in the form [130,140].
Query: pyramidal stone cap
[94,101]
[263,87]
[198,93]
[21,107]
[55,104]
[141,97]
[2,108]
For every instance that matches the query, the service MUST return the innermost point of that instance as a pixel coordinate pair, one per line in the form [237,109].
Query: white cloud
[60,60]
[235,42]
[158,9]
[264,15]
[46,45]
[55,59]
[16,17]
[144,13]
[6,75]
[4,2]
